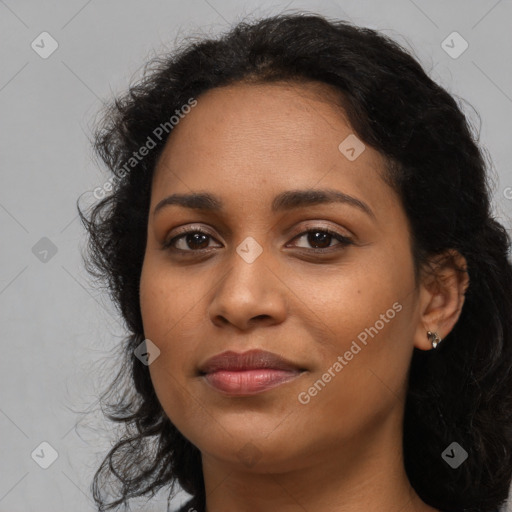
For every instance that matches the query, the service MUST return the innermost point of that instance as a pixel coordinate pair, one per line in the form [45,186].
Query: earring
[434,338]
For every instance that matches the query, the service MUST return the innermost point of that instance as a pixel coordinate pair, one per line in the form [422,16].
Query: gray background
[59,333]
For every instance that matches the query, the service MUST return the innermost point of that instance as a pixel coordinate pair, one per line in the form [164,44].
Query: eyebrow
[284,201]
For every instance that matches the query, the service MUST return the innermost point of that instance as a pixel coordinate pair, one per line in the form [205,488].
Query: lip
[248,373]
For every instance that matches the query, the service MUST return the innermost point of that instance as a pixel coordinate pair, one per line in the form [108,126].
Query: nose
[248,295]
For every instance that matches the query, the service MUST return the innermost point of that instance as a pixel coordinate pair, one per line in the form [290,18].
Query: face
[305,253]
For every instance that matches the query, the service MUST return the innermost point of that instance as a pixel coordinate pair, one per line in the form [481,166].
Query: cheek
[358,300]
[167,301]
[364,367]
[164,315]
[368,314]
[173,317]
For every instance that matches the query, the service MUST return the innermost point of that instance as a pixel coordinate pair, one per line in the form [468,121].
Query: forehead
[273,136]
[253,114]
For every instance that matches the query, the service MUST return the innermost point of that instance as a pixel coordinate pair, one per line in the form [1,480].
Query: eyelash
[343,240]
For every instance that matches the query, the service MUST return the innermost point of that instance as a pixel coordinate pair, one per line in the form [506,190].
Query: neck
[361,475]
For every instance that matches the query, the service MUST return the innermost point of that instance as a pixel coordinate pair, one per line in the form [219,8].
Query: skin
[342,450]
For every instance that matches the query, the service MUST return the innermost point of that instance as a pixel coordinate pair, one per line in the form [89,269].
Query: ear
[444,281]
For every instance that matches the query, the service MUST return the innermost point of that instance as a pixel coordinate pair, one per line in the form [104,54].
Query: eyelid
[320,226]
[183,231]
[192,228]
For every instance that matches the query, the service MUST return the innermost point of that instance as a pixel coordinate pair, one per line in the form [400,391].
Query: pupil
[195,239]
[319,238]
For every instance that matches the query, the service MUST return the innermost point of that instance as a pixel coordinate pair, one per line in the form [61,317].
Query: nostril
[264,317]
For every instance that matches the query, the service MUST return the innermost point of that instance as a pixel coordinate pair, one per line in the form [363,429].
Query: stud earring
[434,338]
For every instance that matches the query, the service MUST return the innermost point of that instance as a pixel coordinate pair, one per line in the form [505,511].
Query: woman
[300,240]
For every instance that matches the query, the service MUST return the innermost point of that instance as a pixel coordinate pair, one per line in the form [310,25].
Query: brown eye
[319,239]
[322,238]
[197,240]
[190,241]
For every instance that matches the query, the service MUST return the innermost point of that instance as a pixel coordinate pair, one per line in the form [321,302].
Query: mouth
[248,373]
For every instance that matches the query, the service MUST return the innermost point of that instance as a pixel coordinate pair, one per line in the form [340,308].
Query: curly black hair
[461,391]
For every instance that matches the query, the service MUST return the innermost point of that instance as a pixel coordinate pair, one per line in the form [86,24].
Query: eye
[190,241]
[320,238]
